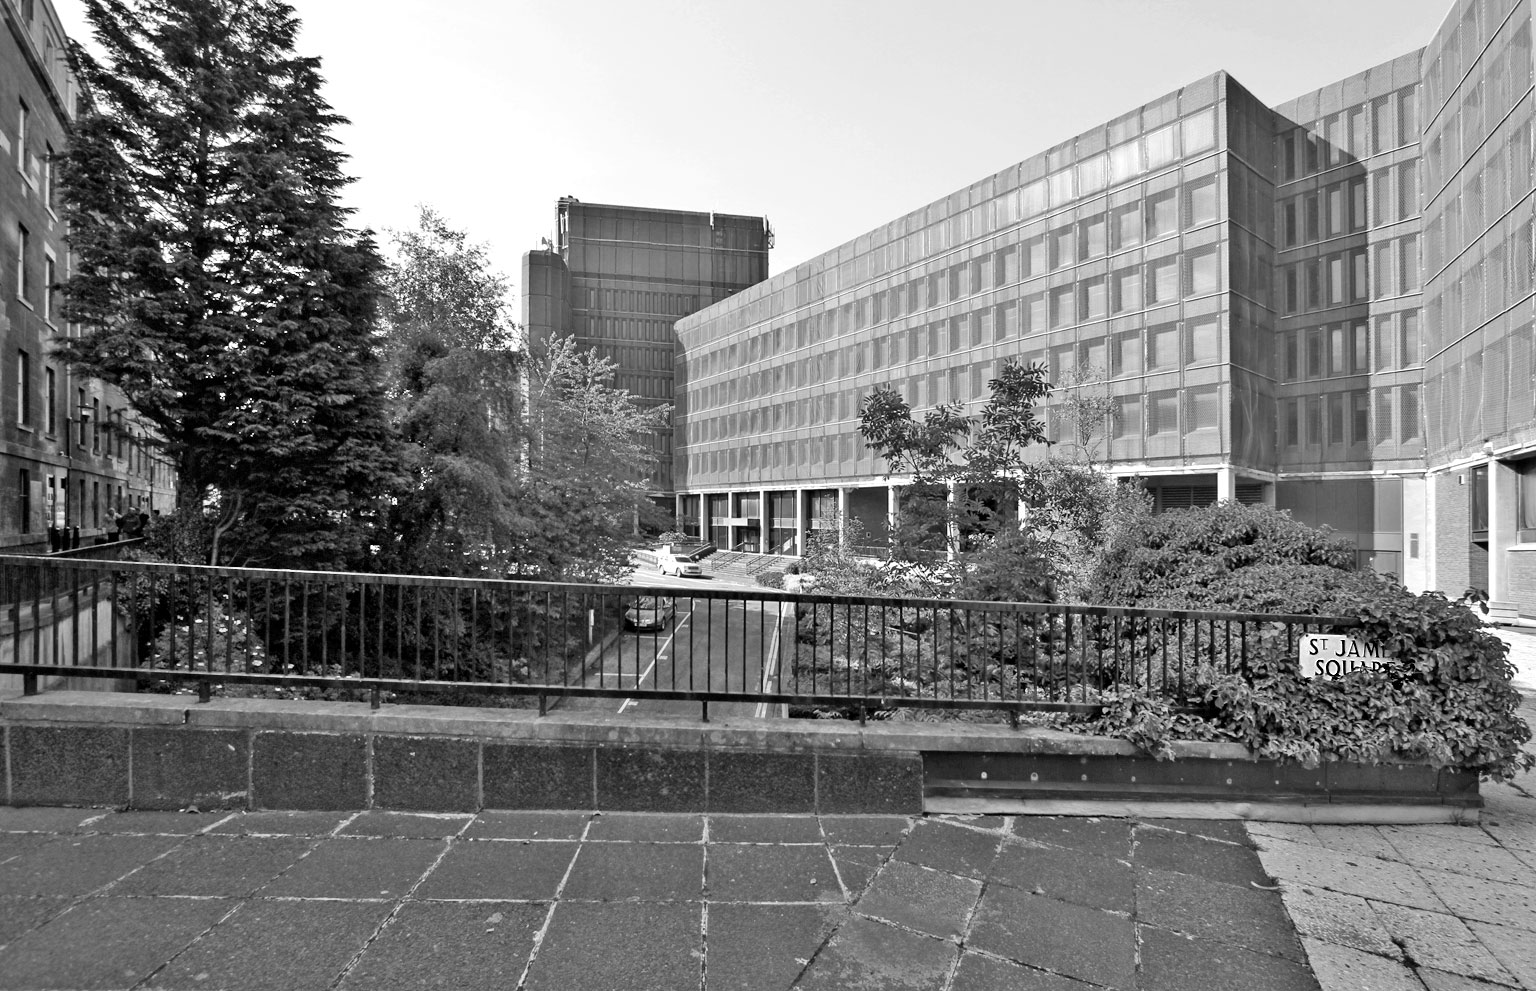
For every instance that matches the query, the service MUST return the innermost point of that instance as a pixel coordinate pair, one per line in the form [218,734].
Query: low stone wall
[172,752]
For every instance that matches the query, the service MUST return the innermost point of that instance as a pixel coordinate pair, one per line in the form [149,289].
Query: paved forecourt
[555,900]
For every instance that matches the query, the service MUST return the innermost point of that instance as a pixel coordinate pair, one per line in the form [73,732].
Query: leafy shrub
[1446,699]
[772,578]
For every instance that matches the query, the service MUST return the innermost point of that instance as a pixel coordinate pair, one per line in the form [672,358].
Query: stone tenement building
[70,450]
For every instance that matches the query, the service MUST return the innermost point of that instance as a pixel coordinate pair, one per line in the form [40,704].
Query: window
[1162,280]
[1288,222]
[1034,254]
[1408,411]
[51,397]
[23,248]
[1126,290]
[1408,339]
[23,388]
[1163,413]
[1335,418]
[1525,499]
[24,500]
[1203,271]
[1359,417]
[1061,306]
[1094,302]
[1202,340]
[1291,422]
[1479,507]
[1163,347]
[1063,251]
[1125,226]
[96,426]
[1126,354]
[1162,214]
[50,290]
[1091,237]
[95,503]
[23,119]
[1314,421]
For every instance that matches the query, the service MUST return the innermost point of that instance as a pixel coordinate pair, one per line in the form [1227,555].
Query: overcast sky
[830,117]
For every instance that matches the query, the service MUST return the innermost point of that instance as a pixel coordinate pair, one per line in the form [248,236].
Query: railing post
[204,690]
[543,704]
[373,698]
[704,710]
[29,684]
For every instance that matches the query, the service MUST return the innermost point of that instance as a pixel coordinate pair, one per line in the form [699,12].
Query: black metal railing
[411,634]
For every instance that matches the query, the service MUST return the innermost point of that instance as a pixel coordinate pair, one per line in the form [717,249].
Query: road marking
[773,659]
[652,666]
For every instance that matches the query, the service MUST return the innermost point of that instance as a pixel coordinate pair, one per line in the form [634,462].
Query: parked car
[679,560]
[650,612]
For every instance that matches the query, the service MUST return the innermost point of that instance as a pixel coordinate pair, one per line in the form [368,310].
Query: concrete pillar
[1502,493]
[677,510]
[704,518]
[842,514]
[764,522]
[892,509]
[802,523]
[1226,484]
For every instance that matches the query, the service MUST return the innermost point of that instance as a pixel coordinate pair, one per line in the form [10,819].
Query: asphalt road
[709,645]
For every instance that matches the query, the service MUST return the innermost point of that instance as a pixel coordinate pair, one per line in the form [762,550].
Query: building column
[1502,492]
[1226,484]
[892,509]
[842,514]
[704,534]
[677,510]
[802,521]
[764,522]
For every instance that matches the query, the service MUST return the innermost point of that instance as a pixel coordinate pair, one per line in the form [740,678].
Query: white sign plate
[1333,655]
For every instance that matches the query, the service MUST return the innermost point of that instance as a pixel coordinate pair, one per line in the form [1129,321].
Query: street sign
[1332,655]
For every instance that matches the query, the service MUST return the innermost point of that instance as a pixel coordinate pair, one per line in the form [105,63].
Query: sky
[829,117]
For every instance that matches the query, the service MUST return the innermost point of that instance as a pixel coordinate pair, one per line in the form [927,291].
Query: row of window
[1483,283]
[43,297]
[1341,208]
[1389,341]
[1356,132]
[637,301]
[58,509]
[636,358]
[1386,269]
[1159,215]
[1449,55]
[1496,179]
[624,329]
[1485,98]
[122,442]
[1343,419]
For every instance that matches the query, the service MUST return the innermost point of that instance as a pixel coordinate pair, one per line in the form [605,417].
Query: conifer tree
[217,281]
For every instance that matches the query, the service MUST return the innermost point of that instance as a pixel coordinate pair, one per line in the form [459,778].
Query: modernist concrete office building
[1325,305]
[619,277]
[71,453]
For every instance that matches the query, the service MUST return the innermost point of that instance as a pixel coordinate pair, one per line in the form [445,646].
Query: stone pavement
[378,900]
[1410,908]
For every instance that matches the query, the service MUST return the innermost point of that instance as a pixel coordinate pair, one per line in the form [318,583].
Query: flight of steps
[744,565]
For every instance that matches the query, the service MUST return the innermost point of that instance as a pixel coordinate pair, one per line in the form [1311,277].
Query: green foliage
[1200,558]
[1014,567]
[772,578]
[1446,698]
[217,280]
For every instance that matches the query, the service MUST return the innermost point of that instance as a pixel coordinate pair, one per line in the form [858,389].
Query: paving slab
[449,945]
[170,823]
[416,825]
[284,823]
[1106,837]
[642,871]
[232,866]
[48,819]
[866,954]
[619,946]
[1217,912]
[856,866]
[1368,877]
[1434,939]
[756,947]
[1345,920]
[647,828]
[1515,949]
[1173,962]
[528,825]
[75,865]
[1478,898]
[107,942]
[953,848]
[1192,854]
[984,973]
[364,867]
[1227,830]
[740,873]
[499,871]
[921,898]
[274,946]
[884,831]
[1342,967]
[1069,875]
[764,829]
[17,915]
[1072,940]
